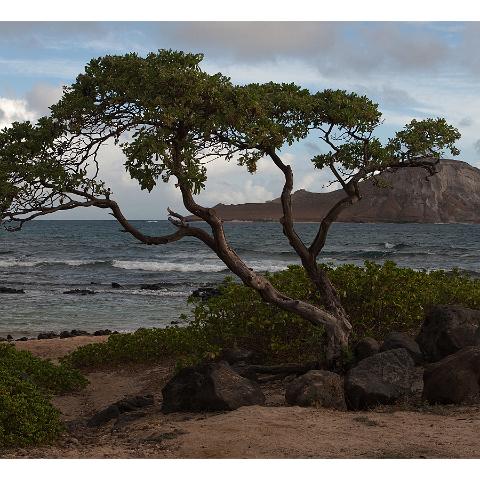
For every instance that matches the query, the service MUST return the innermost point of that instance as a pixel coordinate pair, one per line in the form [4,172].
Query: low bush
[26,382]
[146,345]
[378,299]
[46,376]
[26,415]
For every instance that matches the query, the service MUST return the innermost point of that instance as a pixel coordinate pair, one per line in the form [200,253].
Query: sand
[271,431]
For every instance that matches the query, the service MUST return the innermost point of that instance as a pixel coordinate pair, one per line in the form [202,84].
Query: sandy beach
[271,431]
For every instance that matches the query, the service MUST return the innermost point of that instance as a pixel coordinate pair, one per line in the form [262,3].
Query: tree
[170,118]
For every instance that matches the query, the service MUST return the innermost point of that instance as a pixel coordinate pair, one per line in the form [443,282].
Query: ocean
[49,257]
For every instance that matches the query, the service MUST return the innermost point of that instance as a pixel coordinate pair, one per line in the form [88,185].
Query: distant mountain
[450,196]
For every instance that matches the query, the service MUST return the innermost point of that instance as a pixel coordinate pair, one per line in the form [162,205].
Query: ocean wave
[167,266]
[269,265]
[396,246]
[43,262]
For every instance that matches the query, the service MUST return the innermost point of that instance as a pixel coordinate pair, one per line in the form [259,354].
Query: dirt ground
[271,431]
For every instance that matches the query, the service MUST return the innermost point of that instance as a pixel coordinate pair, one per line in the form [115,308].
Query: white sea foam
[168,266]
[24,263]
[389,245]
[159,266]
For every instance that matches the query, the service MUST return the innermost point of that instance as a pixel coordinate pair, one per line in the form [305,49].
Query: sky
[411,69]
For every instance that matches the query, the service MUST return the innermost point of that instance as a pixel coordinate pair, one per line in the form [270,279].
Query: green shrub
[378,298]
[49,378]
[143,346]
[26,415]
[26,383]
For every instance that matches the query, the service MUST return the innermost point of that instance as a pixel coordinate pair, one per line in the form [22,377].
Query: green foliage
[56,379]
[26,383]
[171,118]
[378,298]
[383,298]
[143,346]
[26,415]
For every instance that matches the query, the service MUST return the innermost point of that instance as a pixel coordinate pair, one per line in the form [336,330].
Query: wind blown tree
[170,119]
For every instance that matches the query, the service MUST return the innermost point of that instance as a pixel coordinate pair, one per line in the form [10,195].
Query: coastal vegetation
[170,119]
[26,385]
[378,298]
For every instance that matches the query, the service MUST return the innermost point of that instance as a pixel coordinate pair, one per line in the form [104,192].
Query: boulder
[47,335]
[98,333]
[129,404]
[317,388]
[116,285]
[454,379]
[65,334]
[236,355]
[446,329]
[402,340]
[209,387]
[79,333]
[366,347]
[22,339]
[381,379]
[11,290]
[9,338]
[3,339]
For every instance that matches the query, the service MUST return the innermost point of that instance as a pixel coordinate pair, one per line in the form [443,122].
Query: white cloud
[14,110]
[41,96]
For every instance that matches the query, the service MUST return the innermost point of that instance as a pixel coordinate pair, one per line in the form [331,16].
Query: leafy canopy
[171,118]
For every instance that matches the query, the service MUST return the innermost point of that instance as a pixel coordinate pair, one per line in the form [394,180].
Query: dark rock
[381,379]
[446,329]
[116,285]
[125,418]
[78,291]
[79,333]
[209,387]
[205,293]
[22,339]
[115,332]
[104,416]
[11,290]
[47,335]
[175,322]
[129,404]
[318,388]
[65,334]
[366,348]
[236,355]
[3,339]
[9,338]
[244,370]
[402,340]
[98,333]
[152,286]
[134,403]
[454,379]
[477,337]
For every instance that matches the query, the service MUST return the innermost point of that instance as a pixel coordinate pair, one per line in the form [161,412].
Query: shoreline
[55,348]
